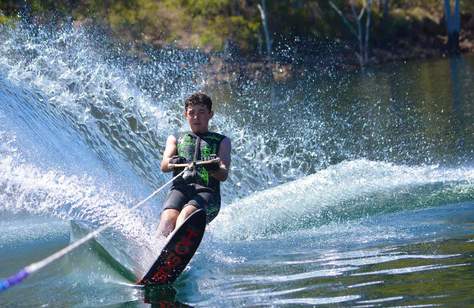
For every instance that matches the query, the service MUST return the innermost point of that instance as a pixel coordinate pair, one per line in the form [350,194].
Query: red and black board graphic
[178,251]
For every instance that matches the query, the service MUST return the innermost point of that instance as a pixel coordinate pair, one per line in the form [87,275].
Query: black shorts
[198,196]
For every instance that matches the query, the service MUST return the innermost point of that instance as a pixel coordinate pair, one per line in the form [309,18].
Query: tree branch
[344,19]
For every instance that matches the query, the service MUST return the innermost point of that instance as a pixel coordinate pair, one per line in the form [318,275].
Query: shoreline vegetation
[255,38]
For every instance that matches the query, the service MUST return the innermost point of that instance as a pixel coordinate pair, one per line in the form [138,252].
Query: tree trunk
[384,5]
[453,25]
[360,35]
[367,31]
[453,43]
[263,14]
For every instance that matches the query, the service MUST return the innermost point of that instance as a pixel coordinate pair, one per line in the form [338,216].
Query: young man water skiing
[198,188]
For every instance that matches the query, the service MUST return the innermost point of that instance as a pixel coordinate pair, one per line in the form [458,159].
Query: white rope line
[34,267]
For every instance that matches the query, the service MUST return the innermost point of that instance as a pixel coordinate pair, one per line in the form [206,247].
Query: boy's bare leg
[187,210]
[168,221]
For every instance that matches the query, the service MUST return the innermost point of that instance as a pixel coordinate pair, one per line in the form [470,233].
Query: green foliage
[206,8]
[5,20]
[234,28]
[209,24]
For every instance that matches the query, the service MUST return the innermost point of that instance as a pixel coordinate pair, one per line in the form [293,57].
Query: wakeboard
[177,252]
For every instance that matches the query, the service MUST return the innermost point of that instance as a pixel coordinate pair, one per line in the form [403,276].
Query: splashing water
[346,191]
[83,125]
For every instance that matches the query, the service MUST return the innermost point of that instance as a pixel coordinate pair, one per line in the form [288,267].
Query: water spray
[36,266]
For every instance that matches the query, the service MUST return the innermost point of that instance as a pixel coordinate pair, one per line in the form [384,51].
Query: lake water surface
[347,189]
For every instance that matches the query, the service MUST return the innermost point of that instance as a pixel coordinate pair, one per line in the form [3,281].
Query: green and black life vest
[209,145]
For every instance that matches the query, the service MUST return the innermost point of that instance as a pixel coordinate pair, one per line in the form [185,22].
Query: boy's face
[198,117]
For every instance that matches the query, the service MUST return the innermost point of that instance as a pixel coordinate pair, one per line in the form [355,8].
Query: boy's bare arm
[224,154]
[170,151]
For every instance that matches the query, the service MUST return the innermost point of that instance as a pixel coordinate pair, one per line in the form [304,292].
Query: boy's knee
[169,214]
[188,209]
[168,221]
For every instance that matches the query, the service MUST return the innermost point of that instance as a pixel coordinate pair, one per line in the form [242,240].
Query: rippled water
[346,188]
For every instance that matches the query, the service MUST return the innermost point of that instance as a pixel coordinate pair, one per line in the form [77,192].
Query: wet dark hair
[198,99]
